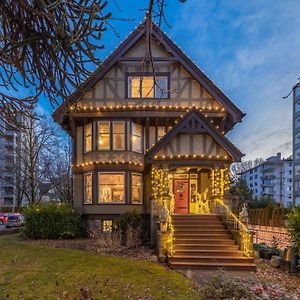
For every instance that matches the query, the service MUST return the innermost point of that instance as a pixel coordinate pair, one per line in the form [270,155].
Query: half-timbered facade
[147,127]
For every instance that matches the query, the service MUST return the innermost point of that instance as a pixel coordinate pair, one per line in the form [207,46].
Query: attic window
[146,86]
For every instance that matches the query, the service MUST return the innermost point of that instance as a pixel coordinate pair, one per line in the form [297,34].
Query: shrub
[222,287]
[131,225]
[52,221]
[293,224]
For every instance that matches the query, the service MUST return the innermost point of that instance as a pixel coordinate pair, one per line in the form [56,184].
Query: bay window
[104,135]
[88,140]
[88,188]
[136,188]
[119,135]
[136,138]
[111,187]
[145,86]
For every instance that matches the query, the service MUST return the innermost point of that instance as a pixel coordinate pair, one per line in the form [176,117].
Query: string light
[108,163]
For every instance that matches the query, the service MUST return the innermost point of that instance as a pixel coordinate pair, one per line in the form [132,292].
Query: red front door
[181,188]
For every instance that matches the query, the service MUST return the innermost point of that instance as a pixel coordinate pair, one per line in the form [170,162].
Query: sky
[250,49]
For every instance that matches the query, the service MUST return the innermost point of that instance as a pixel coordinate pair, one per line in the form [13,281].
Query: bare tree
[59,170]
[35,140]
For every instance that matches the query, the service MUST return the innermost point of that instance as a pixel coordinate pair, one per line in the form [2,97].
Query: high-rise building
[272,178]
[9,142]
[296,144]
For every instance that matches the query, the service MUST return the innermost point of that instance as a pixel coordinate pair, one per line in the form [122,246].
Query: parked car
[15,220]
[3,218]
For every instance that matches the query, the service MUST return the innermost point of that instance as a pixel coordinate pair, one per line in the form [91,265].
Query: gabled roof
[174,51]
[201,125]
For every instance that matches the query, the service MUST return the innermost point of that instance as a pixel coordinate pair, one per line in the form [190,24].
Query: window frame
[84,188]
[84,137]
[147,74]
[109,135]
[142,186]
[98,185]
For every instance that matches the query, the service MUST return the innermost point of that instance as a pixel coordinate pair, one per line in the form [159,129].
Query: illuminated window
[88,130]
[104,135]
[137,188]
[144,87]
[119,135]
[161,131]
[88,188]
[136,138]
[107,226]
[111,188]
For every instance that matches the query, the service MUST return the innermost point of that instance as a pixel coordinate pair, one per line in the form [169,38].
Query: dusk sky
[250,49]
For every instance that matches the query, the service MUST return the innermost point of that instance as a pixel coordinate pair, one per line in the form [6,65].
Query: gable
[163,48]
[194,137]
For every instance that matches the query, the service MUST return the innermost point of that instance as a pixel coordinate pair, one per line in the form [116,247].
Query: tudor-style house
[147,131]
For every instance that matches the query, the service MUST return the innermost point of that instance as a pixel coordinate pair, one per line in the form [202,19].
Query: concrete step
[198,226]
[200,231]
[210,259]
[214,266]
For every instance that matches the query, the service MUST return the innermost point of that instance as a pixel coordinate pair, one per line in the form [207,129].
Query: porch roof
[194,122]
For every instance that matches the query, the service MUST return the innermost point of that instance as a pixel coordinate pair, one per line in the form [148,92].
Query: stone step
[196,222]
[210,259]
[199,231]
[214,266]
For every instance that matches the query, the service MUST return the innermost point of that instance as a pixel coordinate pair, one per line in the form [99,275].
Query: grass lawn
[31,271]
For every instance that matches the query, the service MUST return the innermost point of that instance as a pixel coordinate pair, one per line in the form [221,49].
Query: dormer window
[148,86]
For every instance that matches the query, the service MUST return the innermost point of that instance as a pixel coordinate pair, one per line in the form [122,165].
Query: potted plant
[163,218]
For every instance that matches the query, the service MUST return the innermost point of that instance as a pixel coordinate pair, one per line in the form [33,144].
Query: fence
[270,234]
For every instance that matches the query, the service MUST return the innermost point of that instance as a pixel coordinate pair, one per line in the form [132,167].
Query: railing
[245,235]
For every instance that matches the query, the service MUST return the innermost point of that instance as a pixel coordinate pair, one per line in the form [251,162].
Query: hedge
[52,221]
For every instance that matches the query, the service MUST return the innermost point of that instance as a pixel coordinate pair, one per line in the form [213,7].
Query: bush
[222,287]
[293,224]
[52,221]
[131,225]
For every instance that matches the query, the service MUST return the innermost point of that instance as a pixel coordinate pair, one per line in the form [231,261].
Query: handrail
[246,243]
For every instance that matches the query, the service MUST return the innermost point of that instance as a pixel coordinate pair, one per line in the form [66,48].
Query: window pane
[136,137]
[161,131]
[147,87]
[88,188]
[119,135]
[161,87]
[103,135]
[88,138]
[107,225]
[137,190]
[111,188]
[134,87]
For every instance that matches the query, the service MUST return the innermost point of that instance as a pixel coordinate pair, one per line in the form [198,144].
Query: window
[119,135]
[107,226]
[144,87]
[88,188]
[88,130]
[111,188]
[161,131]
[136,138]
[104,135]
[137,189]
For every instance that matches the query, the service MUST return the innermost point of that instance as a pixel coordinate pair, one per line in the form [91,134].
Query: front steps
[203,242]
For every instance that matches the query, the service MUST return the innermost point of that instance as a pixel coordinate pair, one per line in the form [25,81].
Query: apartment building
[273,178]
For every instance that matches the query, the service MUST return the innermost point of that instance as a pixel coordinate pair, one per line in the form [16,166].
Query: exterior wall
[272,178]
[296,145]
